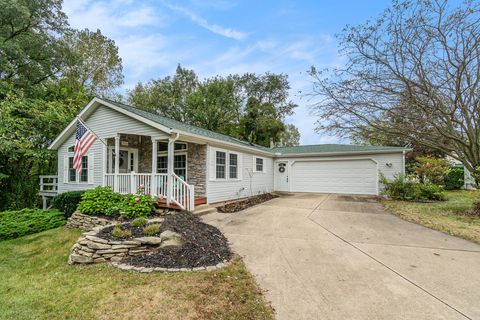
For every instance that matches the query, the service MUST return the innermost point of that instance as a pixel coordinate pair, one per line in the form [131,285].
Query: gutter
[338,153]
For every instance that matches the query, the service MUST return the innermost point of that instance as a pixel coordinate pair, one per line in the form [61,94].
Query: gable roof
[170,125]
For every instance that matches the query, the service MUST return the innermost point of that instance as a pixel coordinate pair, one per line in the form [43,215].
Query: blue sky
[224,37]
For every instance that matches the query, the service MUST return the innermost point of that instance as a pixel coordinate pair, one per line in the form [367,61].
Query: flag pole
[100,139]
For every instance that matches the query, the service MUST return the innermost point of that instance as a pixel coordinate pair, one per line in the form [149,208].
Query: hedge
[67,202]
[14,224]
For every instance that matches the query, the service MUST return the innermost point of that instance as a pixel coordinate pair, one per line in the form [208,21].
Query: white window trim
[227,165]
[77,175]
[176,153]
[255,164]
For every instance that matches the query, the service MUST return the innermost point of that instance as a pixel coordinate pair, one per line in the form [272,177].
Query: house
[188,165]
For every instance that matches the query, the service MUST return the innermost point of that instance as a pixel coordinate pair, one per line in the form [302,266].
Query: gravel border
[127,267]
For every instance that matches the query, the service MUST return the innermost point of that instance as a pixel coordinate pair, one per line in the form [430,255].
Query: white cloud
[225,32]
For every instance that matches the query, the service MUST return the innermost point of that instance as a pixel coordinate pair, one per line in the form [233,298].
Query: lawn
[36,283]
[446,216]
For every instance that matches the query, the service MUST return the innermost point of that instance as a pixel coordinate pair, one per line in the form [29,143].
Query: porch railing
[48,184]
[182,192]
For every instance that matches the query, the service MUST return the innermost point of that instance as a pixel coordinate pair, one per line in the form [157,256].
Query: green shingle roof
[319,148]
[327,148]
[188,128]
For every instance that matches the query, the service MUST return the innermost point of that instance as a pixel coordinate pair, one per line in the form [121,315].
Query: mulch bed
[204,245]
[136,232]
[236,206]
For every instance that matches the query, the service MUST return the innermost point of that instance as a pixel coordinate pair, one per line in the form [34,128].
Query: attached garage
[344,169]
[335,176]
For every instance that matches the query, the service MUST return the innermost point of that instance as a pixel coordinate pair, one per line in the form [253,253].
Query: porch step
[204,209]
[162,203]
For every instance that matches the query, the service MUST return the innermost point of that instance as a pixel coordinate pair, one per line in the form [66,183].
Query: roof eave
[337,153]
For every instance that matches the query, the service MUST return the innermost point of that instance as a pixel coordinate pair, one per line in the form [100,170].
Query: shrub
[431,169]
[139,222]
[14,224]
[67,202]
[136,206]
[151,229]
[410,188]
[118,232]
[101,200]
[454,178]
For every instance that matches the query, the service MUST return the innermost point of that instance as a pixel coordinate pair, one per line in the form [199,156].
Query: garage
[348,176]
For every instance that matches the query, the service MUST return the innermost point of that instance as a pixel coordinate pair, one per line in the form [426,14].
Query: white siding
[106,123]
[250,183]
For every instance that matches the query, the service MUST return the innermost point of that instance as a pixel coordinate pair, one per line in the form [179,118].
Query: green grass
[446,216]
[37,283]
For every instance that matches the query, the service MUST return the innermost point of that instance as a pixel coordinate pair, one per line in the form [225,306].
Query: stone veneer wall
[86,222]
[197,167]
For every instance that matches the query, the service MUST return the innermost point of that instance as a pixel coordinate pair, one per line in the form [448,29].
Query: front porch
[174,171]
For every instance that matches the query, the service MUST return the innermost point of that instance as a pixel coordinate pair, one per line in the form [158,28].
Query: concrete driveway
[321,256]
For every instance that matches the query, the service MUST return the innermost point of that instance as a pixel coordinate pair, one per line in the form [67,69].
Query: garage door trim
[335,159]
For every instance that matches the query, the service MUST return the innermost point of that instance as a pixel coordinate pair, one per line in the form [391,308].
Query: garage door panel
[349,176]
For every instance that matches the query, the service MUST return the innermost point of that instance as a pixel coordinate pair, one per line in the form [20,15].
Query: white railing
[48,184]
[160,185]
[182,193]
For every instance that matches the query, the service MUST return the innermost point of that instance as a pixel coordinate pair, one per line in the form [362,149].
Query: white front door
[128,160]
[281,176]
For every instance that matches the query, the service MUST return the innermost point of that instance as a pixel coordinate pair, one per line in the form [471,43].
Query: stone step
[204,209]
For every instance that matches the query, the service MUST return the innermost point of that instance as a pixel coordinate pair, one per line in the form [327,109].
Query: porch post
[153,180]
[117,162]
[171,150]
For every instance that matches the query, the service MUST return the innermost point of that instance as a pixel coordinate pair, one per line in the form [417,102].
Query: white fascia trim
[344,153]
[91,104]
[224,144]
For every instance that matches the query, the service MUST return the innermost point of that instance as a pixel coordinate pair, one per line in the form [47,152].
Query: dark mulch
[246,203]
[204,245]
[136,232]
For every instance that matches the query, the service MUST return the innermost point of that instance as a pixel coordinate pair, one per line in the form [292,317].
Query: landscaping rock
[78,258]
[98,246]
[149,240]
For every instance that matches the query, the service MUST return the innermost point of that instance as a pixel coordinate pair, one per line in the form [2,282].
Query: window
[179,165]
[233,166]
[84,173]
[71,149]
[179,146]
[72,173]
[220,164]
[259,164]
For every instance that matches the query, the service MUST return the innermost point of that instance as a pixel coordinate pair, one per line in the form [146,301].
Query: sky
[219,37]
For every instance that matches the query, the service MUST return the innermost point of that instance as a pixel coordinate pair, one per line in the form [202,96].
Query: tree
[413,74]
[31,50]
[94,64]
[27,126]
[167,96]
[249,106]
[291,136]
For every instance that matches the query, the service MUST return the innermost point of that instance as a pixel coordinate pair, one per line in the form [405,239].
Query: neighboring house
[188,165]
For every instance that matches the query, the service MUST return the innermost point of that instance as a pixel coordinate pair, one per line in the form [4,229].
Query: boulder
[171,239]
[149,240]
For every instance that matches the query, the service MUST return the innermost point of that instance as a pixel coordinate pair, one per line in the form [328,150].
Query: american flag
[83,141]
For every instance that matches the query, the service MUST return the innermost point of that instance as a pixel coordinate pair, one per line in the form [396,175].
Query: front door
[128,160]
[281,176]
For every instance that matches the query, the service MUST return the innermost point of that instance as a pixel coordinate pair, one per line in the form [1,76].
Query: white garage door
[336,176]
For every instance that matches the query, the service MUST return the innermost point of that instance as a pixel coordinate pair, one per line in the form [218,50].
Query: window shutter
[240,166]
[91,168]
[65,169]
[211,163]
